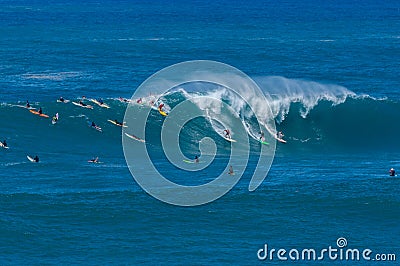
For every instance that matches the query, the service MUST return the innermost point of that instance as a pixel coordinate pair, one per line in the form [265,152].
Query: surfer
[55,118]
[40,110]
[82,103]
[28,105]
[93,125]
[4,143]
[100,101]
[231,170]
[139,101]
[118,123]
[279,135]
[196,159]
[227,134]
[392,172]
[36,159]
[123,100]
[94,160]
[160,107]
[262,136]
[61,99]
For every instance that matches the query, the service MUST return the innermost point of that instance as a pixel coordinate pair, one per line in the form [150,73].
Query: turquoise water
[331,69]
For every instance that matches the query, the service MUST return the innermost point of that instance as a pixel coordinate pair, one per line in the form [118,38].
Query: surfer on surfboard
[227,134]
[4,143]
[392,172]
[118,123]
[55,118]
[262,136]
[94,160]
[28,105]
[231,170]
[160,107]
[36,159]
[196,159]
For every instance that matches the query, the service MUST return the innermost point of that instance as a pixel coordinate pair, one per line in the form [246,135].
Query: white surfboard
[31,159]
[113,122]
[281,140]
[86,106]
[24,106]
[104,105]
[2,145]
[134,137]
[65,101]
[229,139]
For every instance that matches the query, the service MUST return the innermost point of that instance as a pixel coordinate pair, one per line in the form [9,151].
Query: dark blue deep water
[331,68]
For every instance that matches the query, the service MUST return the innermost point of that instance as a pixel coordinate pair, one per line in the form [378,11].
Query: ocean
[329,70]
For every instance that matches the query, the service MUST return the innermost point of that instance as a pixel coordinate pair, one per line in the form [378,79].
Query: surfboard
[37,113]
[281,140]
[97,128]
[162,112]
[94,162]
[134,137]
[24,106]
[65,101]
[113,122]
[87,106]
[228,139]
[2,145]
[31,159]
[263,142]
[99,104]
[123,100]
[188,161]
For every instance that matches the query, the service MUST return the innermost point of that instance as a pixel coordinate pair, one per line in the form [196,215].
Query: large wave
[313,116]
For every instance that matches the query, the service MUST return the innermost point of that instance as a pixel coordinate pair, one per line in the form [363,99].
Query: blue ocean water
[331,69]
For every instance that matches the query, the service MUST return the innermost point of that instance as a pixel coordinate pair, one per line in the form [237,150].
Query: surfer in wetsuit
[61,99]
[55,118]
[262,136]
[392,172]
[231,170]
[100,101]
[4,143]
[36,159]
[196,159]
[27,104]
[94,160]
[40,110]
[227,133]
[93,124]
[118,123]
[82,103]
[160,107]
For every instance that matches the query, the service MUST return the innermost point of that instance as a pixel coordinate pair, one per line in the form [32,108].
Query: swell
[336,120]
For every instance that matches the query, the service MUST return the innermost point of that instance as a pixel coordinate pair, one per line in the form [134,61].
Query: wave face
[312,116]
